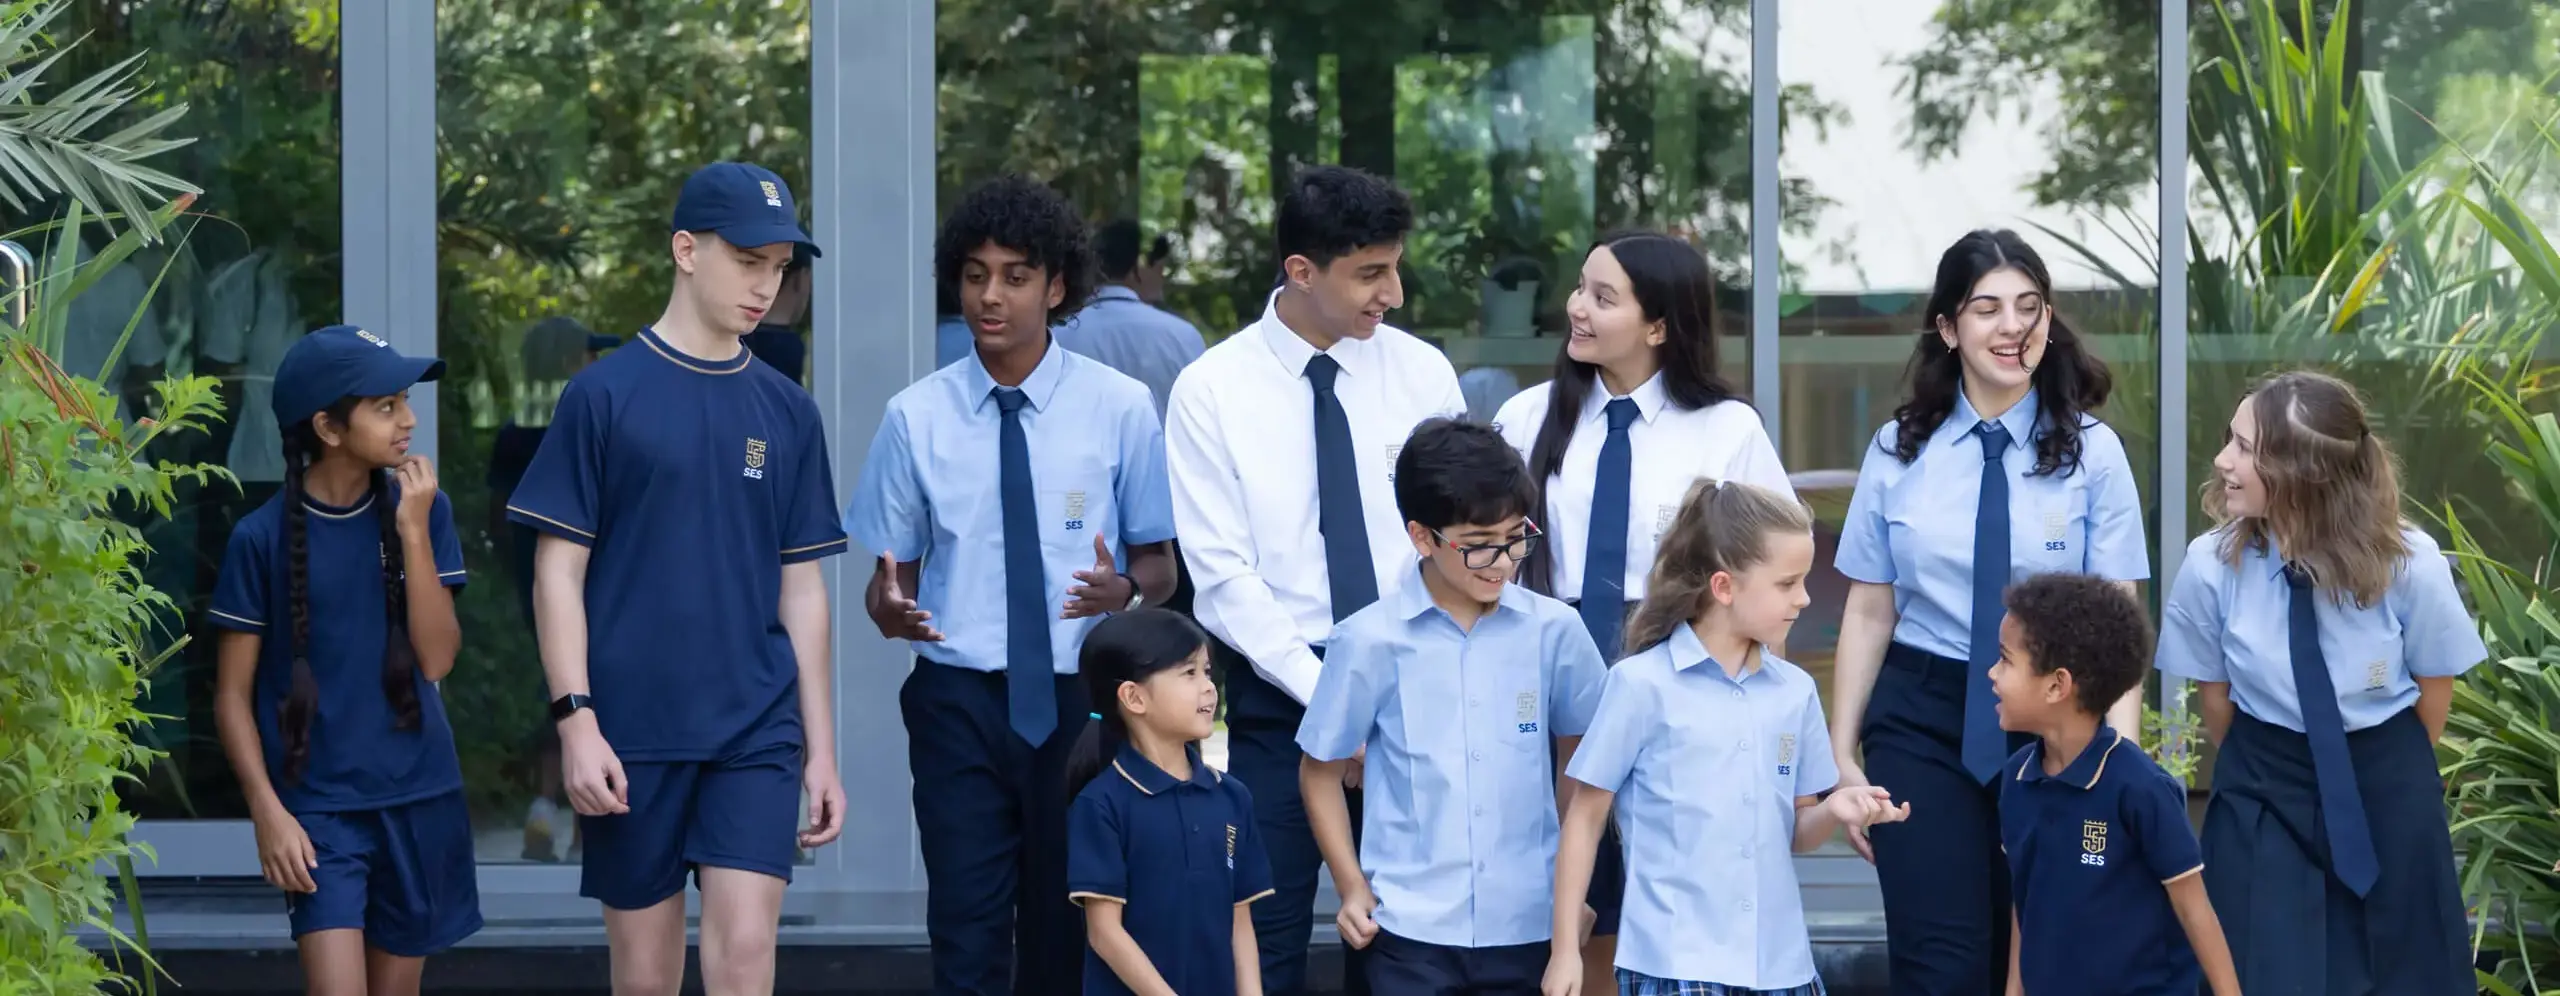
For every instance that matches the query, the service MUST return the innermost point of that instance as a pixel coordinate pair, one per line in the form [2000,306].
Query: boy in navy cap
[2103,865]
[685,500]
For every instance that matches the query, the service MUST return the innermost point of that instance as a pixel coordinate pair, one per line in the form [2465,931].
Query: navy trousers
[1945,884]
[992,812]
[1262,749]
[1417,968]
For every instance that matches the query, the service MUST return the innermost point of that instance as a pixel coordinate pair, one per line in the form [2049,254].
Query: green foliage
[75,615]
[48,146]
[2176,744]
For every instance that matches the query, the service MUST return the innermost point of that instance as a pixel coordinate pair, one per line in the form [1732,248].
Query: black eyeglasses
[1482,555]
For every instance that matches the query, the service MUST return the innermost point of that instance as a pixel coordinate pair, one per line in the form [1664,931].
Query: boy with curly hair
[1010,498]
[2104,867]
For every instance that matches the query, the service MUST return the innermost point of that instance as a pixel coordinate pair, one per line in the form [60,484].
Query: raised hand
[417,477]
[894,610]
[1103,591]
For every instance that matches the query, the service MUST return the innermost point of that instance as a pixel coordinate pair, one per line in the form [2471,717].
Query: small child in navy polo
[336,608]
[2104,867]
[1161,849]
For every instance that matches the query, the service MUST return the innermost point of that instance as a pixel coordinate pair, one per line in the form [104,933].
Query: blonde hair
[1723,526]
[2333,490]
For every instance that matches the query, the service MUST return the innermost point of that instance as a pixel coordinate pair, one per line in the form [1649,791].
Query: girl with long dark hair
[336,608]
[1635,413]
[1993,468]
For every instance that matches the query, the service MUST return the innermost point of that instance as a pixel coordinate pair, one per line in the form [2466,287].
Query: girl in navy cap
[331,646]
[2324,634]
[1161,848]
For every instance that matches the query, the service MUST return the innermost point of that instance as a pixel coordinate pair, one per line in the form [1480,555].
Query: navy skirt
[2293,928]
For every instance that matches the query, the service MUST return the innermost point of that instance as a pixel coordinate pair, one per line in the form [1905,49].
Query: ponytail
[294,720]
[1096,746]
[1723,527]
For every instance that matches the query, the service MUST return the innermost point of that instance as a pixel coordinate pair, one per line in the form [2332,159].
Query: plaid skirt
[1640,984]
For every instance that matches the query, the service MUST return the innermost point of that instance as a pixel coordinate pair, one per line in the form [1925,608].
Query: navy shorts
[740,811]
[405,875]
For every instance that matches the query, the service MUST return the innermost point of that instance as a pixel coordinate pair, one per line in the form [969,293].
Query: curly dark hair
[2088,626]
[1028,217]
[2069,384]
[1329,212]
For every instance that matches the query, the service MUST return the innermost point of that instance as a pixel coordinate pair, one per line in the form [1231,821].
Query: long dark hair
[1131,646]
[2070,383]
[1673,286]
[302,449]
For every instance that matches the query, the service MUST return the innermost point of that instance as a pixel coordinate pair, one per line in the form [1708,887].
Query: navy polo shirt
[1180,855]
[693,482]
[357,759]
[2091,852]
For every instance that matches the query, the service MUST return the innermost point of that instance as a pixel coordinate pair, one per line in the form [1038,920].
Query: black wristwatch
[568,705]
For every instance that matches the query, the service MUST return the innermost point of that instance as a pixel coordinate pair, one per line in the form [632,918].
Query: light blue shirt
[1707,769]
[2234,623]
[931,491]
[1135,338]
[1459,832]
[952,340]
[1911,525]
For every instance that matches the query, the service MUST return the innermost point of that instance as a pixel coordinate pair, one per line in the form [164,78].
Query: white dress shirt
[1240,444]
[1672,448]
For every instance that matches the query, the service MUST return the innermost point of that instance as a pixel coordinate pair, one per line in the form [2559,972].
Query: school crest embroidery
[2057,526]
[772,194]
[1231,847]
[372,338]
[2377,674]
[1394,450]
[755,459]
[1786,753]
[1075,510]
[2093,843]
[1662,516]
[1526,712]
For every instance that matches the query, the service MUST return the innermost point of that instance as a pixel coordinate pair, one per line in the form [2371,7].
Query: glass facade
[489,181]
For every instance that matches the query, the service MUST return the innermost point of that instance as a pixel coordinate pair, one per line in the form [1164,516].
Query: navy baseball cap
[343,361]
[744,204]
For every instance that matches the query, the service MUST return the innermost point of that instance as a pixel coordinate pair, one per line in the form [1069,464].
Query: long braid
[399,656]
[304,698]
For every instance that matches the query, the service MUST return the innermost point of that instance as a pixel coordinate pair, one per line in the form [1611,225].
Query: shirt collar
[1041,386]
[1152,780]
[1413,597]
[1115,292]
[1687,653]
[1294,352]
[1648,397]
[2021,420]
[2083,771]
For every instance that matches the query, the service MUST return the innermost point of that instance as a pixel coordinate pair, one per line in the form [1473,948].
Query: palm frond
[48,142]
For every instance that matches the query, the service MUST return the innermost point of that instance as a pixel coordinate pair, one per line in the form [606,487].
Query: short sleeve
[1756,462]
[1817,771]
[2191,619]
[1518,418]
[1145,492]
[2118,550]
[1573,693]
[240,594]
[2440,638]
[1097,851]
[2156,809]
[1866,554]
[1252,863]
[561,493]
[1344,708]
[1619,728]
[447,542]
[810,528]
[888,513]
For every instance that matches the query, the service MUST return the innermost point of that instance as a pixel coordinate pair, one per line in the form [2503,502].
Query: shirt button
[1475,755]
[1474,702]
[1744,744]
[1746,906]
[1479,810]
[1746,852]
[1737,693]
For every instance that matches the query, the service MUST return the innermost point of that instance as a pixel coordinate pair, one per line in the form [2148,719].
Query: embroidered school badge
[1075,510]
[1231,847]
[2377,674]
[2093,843]
[1786,753]
[772,196]
[755,459]
[2056,527]
[1526,713]
[372,338]
[1662,516]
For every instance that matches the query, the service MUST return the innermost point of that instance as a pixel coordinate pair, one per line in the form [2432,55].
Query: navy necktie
[2351,855]
[1604,552]
[1029,668]
[1351,574]
[1985,748]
